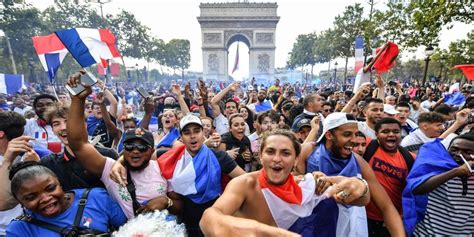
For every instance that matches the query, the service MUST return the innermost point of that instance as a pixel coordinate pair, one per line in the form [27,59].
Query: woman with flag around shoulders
[258,202]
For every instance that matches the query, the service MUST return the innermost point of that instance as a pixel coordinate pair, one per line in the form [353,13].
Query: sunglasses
[133,146]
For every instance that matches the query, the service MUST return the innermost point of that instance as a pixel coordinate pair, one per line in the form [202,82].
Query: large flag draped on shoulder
[89,46]
[11,84]
[236,63]
[387,58]
[467,69]
[359,53]
[432,159]
[51,52]
[198,178]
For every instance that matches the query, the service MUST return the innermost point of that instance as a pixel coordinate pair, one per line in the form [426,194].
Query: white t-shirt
[366,130]
[427,104]
[42,135]
[22,111]
[148,182]
[222,124]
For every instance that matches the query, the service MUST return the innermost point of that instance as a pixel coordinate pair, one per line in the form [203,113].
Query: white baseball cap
[189,119]
[389,109]
[335,120]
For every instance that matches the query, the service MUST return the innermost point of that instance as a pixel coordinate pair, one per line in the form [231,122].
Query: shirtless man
[255,204]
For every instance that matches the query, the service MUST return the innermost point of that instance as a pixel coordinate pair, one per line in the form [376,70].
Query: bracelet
[200,104]
[170,203]
[366,187]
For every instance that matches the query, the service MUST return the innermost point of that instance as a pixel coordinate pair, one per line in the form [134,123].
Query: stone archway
[251,23]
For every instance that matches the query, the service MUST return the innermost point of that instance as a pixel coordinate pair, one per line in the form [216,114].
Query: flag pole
[52,84]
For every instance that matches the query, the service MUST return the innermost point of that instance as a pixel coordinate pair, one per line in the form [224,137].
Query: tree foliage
[134,39]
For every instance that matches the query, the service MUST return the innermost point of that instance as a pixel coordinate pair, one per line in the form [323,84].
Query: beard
[261,99]
[139,168]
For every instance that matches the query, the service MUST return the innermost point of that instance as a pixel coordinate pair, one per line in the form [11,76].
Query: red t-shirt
[391,172]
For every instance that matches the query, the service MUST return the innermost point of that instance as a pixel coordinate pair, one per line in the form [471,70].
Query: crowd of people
[388,159]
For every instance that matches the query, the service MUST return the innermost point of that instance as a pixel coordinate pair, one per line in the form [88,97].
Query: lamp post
[101,3]
[335,73]
[441,65]
[428,52]
[138,73]
[32,70]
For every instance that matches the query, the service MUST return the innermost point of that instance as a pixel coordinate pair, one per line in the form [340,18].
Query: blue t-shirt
[100,211]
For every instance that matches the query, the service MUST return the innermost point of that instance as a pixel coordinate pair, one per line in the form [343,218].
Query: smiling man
[147,190]
[437,200]
[391,164]
[255,203]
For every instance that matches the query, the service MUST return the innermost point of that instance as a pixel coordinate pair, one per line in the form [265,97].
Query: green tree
[302,53]
[132,37]
[178,54]
[13,18]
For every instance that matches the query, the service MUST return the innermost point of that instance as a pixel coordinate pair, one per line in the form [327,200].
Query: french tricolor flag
[359,53]
[291,210]
[51,52]
[89,46]
[198,178]
[11,84]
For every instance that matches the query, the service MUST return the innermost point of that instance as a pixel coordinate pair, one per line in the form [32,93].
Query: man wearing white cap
[389,110]
[332,154]
[194,172]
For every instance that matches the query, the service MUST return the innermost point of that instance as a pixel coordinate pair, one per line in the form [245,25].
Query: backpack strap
[374,145]
[28,219]
[370,150]
[409,159]
[131,189]
[80,209]
[64,231]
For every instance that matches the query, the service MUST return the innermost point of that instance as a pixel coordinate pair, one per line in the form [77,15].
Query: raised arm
[461,119]
[435,181]
[220,96]
[111,98]
[314,129]
[362,91]
[109,124]
[380,87]
[85,153]
[15,147]
[182,104]
[149,106]
[203,111]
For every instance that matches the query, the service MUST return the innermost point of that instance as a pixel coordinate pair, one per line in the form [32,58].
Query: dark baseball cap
[303,123]
[139,133]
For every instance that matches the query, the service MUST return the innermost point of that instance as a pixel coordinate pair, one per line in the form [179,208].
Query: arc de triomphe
[225,23]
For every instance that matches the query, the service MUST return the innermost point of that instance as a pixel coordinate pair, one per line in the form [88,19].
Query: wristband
[366,187]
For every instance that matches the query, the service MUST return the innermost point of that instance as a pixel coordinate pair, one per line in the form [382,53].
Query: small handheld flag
[51,52]
[236,63]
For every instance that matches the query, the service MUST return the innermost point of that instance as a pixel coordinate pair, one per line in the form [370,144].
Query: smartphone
[88,79]
[143,92]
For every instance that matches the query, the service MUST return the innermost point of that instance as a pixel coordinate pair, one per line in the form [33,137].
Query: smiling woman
[38,190]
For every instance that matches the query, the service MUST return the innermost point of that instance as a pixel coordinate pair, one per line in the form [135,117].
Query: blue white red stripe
[286,214]
[51,52]
[198,178]
[11,84]
[89,46]
[359,53]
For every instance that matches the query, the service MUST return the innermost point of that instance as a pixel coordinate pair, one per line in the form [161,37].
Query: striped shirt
[449,212]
